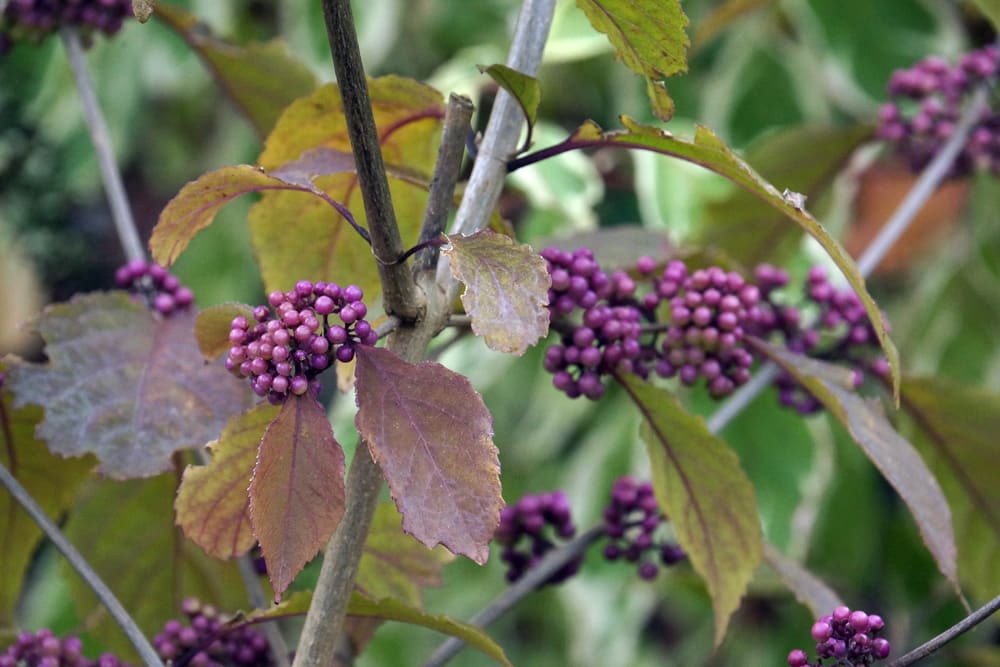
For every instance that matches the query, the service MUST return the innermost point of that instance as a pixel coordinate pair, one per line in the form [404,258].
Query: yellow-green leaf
[213,324]
[525,89]
[705,494]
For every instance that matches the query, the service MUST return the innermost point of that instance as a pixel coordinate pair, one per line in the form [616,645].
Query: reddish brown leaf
[506,289]
[212,506]
[892,454]
[432,436]
[125,384]
[297,490]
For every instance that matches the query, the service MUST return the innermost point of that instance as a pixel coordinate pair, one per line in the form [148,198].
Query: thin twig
[446,172]
[121,213]
[79,563]
[963,626]
[520,589]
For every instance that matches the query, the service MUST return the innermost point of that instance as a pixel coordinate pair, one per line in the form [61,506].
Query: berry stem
[963,626]
[446,172]
[121,213]
[79,563]
[534,578]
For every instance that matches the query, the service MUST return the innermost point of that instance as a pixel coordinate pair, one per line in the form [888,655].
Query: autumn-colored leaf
[648,36]
[394,565]
[213,506]
[806,586]
[956,429]
[143,9]
[390,610]
[803,159]
[712,153]
[525,89]
[722,17]
[895,458]
[705,494]
[124,384]
[297,490]
[125,531]
[432,436]
[297,237]
[51,480]
[261,79]
[506,289]
[213,325]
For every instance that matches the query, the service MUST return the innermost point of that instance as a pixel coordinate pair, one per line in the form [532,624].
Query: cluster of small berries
[631,522]
[44,649]
[160,288]
[204,642]
[606,339]
[528,530]
[295,338]
[711,310]
[926,102]
[34,20]
[841,333]
[846,637]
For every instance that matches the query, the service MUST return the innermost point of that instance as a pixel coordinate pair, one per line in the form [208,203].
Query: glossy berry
[531,528]
[202,639]
[283,346]
[34,20]
[845,637]
[161,290]
[632,524]
[43,649]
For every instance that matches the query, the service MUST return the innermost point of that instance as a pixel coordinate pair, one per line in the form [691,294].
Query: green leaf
[648,36]
[956,430]
[261,79]
[806,586]
[297,489]
[394,565]
[213,324]
[895,458]
[705,494]
[525,89]
[297,237]
[710,152]
[506,289]
[619,247]
[391,610]
[51,480]
[124,384]
[125,531]
[723,16]
[432,436]
[991,10]
[803,159]
[212,506]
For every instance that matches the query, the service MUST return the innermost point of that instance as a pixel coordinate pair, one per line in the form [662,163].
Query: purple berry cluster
[299,335]
[711,310]
[631,522]
[846,638]
[204,641]
[160,288]
[44,649]
[527,532]
[606,339]
[841,333]
[925,104]
[34,20]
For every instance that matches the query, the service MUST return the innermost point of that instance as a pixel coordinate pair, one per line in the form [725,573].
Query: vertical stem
[128,234]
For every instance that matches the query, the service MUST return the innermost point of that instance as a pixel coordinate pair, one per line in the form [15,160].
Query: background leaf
[125,531]
[525,89]
[432,436]
[956,429]
[895,458]
[261,79]
[648,36]
[807,587]
[125,385]
[705,495]
[297,489]
[51,480]
[213,324]
[506,289]
[213,505]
